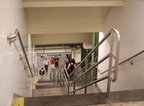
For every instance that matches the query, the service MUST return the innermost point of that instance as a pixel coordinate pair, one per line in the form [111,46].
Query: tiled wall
[13,77]
[129,20]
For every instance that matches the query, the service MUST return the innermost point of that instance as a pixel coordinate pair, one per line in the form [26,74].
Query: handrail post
[117,55]
[68,85]
[74,88]
[86,67]
[110,66]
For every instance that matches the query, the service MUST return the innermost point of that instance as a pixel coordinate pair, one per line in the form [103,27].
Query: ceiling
[66,21]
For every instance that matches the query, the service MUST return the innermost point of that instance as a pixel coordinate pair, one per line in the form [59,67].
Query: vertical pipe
[74,76]
[86,67]
[68,85]
[110,66]
[74,88]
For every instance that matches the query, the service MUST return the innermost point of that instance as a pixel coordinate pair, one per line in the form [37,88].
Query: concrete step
[48,86]
[135,103]
[86,99]
[49,92]
[44,81]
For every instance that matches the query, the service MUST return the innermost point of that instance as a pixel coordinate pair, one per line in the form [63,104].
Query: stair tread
[86,99]
[49,92]
[48,86]
[44,81]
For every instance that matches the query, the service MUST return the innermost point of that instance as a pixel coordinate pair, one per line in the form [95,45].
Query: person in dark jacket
[42,73]
[71,67]
[56,61]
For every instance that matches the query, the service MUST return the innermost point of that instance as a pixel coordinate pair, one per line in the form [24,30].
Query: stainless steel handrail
[65,70]
[104,58]
[90,63]
[111,56]
[131,57]
[64,75]
[13,36]
[91,83]
[91,52]
[117,54]
[127,60]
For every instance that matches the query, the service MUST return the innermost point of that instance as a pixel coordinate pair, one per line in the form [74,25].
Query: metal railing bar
[65,71]
[127,59]
[93,61]
[66,86]
[65,77]
[92,51]
[99,71]
[90,66]
[65,80]
[96,81]
[25,53]
[13,36]
[131,57]
[117,54]
[104,58]
[113,55]
[22,57]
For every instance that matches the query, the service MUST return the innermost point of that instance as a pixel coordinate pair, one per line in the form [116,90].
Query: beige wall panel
[53,51]
[66,20]
[62,38]
[90,3]
[70,0]
[53,29]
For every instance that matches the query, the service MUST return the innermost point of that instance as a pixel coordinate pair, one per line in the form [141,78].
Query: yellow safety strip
[35,82]
[19,102]
[93,84]
[34,87]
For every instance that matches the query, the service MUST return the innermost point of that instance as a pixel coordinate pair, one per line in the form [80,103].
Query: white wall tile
[13,77]
[130,23]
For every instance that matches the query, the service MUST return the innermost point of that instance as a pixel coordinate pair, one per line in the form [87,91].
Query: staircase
[49,93]
[48,88]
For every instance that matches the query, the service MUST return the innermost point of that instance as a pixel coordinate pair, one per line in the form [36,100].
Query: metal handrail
[65,76]
[90,68]
[65,70]
[90,63]
[91,52]
[127,60]
[131,57]
[110,55]
[91,83]
[12,38]
[115,56]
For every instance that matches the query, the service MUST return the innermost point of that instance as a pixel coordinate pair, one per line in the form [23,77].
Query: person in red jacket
[52,73]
